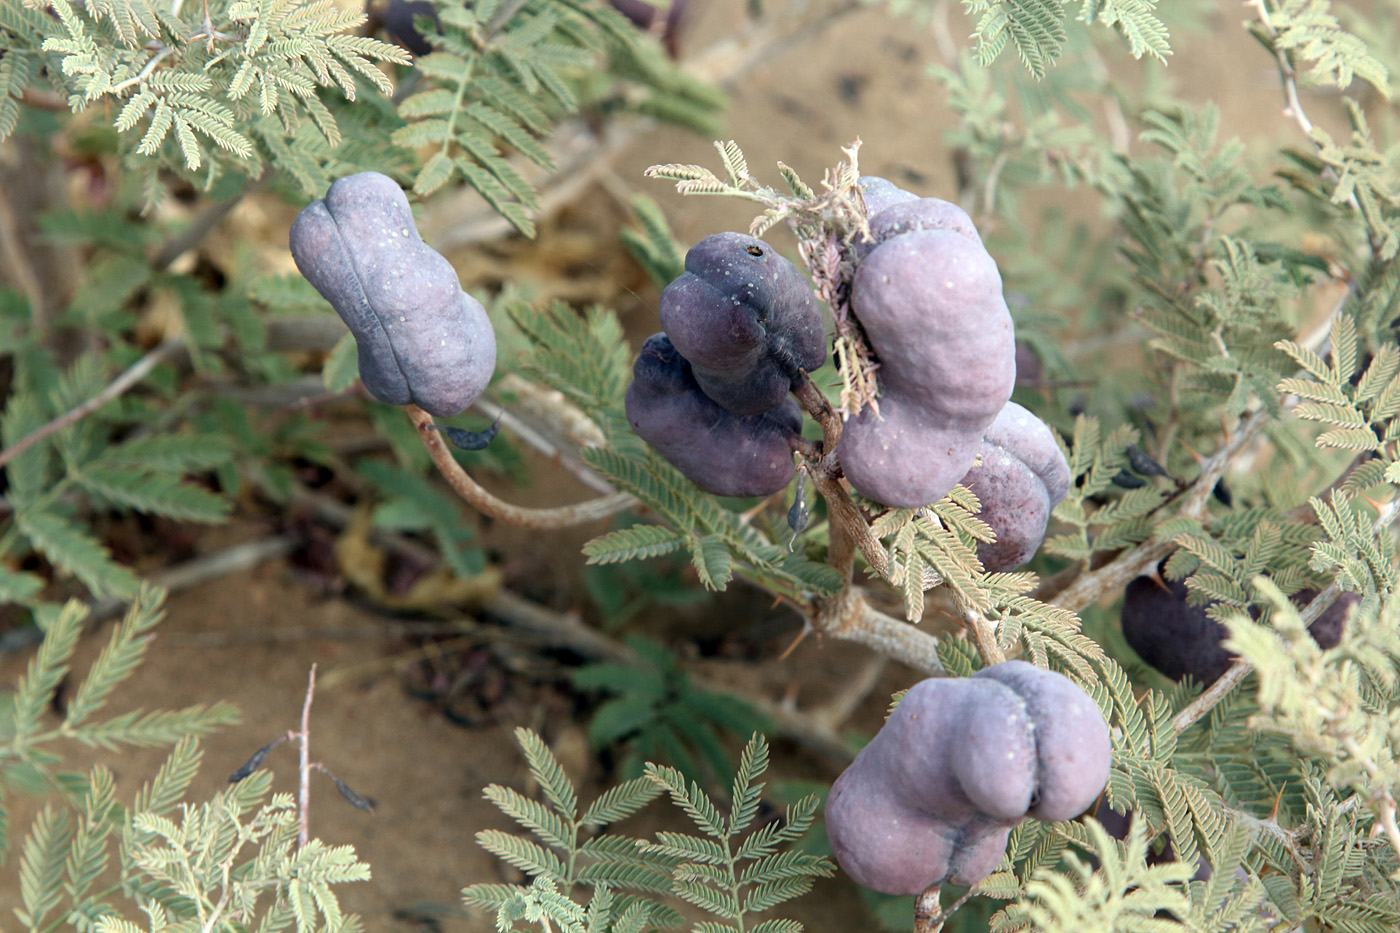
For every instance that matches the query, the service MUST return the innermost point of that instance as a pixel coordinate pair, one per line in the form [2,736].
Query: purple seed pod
[880,193]
[421,339]
[893,211]
[717,450]
[1020,477]
[935,794]
[931,306]
[745,319]
[1180,640]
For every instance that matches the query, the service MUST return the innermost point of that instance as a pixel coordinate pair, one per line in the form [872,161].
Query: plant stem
[849,617]
[928,911]
[816,405]
[541,519]
[984,634]
[304,765]
[133,374]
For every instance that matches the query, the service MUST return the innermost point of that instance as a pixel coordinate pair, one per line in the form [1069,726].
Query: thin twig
[227,890]
[19,264]
[133,374]
[542,519]
[145,72]
[304,767]
[984,634]
[849,617]
[815,404]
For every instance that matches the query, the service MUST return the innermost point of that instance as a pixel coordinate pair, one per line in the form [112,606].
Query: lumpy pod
[961,761]
[421,339]
[745,319]
[930,303]
[1180,640]
[717,450]
[1020,476]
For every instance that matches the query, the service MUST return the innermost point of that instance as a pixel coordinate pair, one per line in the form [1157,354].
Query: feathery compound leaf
[41,866]
[744,797]
[1335,56]
[173,778]
[654,246]
[47,669]
[530,858]
[635,543]
[712,561]
[16,71]
[548,773]
[88,856]
[70,547]
[121,656]
[692,799]
[532,815]
[169,453]
[160,727]
[153,494]
[1125,894]
[620,802]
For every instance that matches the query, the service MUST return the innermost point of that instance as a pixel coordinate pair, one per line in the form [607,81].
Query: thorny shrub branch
[1237,672]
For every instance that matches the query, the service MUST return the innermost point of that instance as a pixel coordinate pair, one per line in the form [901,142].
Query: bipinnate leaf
[47,669]
[619,802]
[72,548]
[637,542]
[41,866]
[119,658]
[546,770]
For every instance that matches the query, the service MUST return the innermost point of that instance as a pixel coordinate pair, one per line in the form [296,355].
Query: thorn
[806,628]
[1198,458]
[1273,811]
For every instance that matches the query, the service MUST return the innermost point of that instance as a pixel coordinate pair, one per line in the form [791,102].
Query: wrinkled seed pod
[1020,477]
[931,306]
[880,193]
[420,338]
[721,452]
[1071,738]
[745,319]
[896,211]
[960,761]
